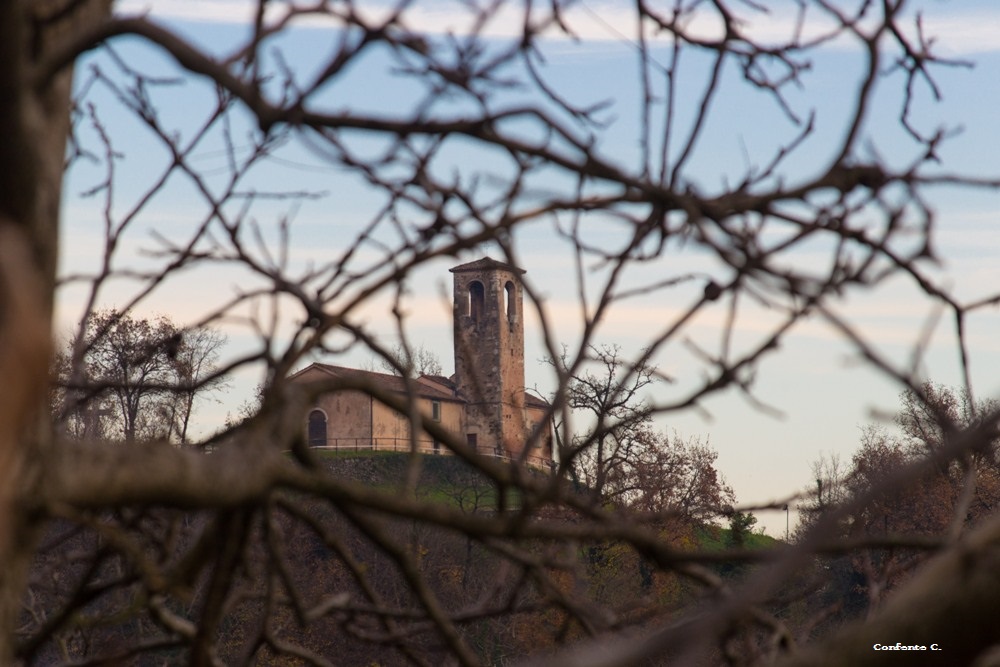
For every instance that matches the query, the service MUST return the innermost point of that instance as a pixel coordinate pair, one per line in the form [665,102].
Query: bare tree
[946,499]
[136,378]
[133,358]
[412,361]
[215,554]
[194,375]
[81,414]
[609,392]
[674,476]
[619,455]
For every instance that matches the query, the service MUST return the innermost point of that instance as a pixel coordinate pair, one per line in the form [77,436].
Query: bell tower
[489,354]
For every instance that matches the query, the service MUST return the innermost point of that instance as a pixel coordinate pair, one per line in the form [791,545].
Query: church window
[436,410]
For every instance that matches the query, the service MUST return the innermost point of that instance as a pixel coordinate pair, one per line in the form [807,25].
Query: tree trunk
[35,118]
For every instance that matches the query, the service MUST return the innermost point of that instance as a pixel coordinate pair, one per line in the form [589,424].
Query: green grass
[451,481]
[352,453]
[716,538]
[444,479]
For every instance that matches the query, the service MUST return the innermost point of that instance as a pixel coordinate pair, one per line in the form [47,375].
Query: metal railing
[422,447]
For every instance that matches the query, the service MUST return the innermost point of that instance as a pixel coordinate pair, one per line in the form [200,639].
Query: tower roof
[486,263]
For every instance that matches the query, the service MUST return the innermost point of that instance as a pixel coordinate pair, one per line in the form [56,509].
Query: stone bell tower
[489,354]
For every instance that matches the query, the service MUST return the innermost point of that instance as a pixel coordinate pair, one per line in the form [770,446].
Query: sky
[817,391]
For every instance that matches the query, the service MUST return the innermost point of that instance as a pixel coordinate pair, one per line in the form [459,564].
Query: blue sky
[815,382]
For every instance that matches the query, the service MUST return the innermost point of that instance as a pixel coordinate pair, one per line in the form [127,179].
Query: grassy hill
[446,479]
[717,538]
[450,480]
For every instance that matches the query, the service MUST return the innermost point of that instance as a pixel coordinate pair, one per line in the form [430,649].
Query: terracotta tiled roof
[436,387]
[394,383]
[533,401]
[441,380]
[486,263]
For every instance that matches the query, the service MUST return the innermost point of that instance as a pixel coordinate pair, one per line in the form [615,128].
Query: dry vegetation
[151,553]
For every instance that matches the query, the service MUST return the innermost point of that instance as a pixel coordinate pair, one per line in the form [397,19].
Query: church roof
[441,380]
[435,387]
[486,263]
[533,401]
[423,386]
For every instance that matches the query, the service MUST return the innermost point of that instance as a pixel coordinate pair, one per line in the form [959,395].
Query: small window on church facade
[477,296]
[436,410]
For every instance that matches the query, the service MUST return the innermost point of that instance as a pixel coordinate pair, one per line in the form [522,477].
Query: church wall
[348,418]
[533,416]
[392,429]
[347,412]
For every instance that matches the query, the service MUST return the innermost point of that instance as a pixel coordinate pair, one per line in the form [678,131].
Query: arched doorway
[317,429]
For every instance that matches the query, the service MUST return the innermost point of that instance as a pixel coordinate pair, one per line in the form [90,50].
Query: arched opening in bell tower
[477,297]
[510,301]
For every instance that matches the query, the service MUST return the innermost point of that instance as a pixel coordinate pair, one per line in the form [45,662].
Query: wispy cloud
[955,32]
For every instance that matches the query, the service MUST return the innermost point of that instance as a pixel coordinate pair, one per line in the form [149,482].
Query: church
[485,402]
